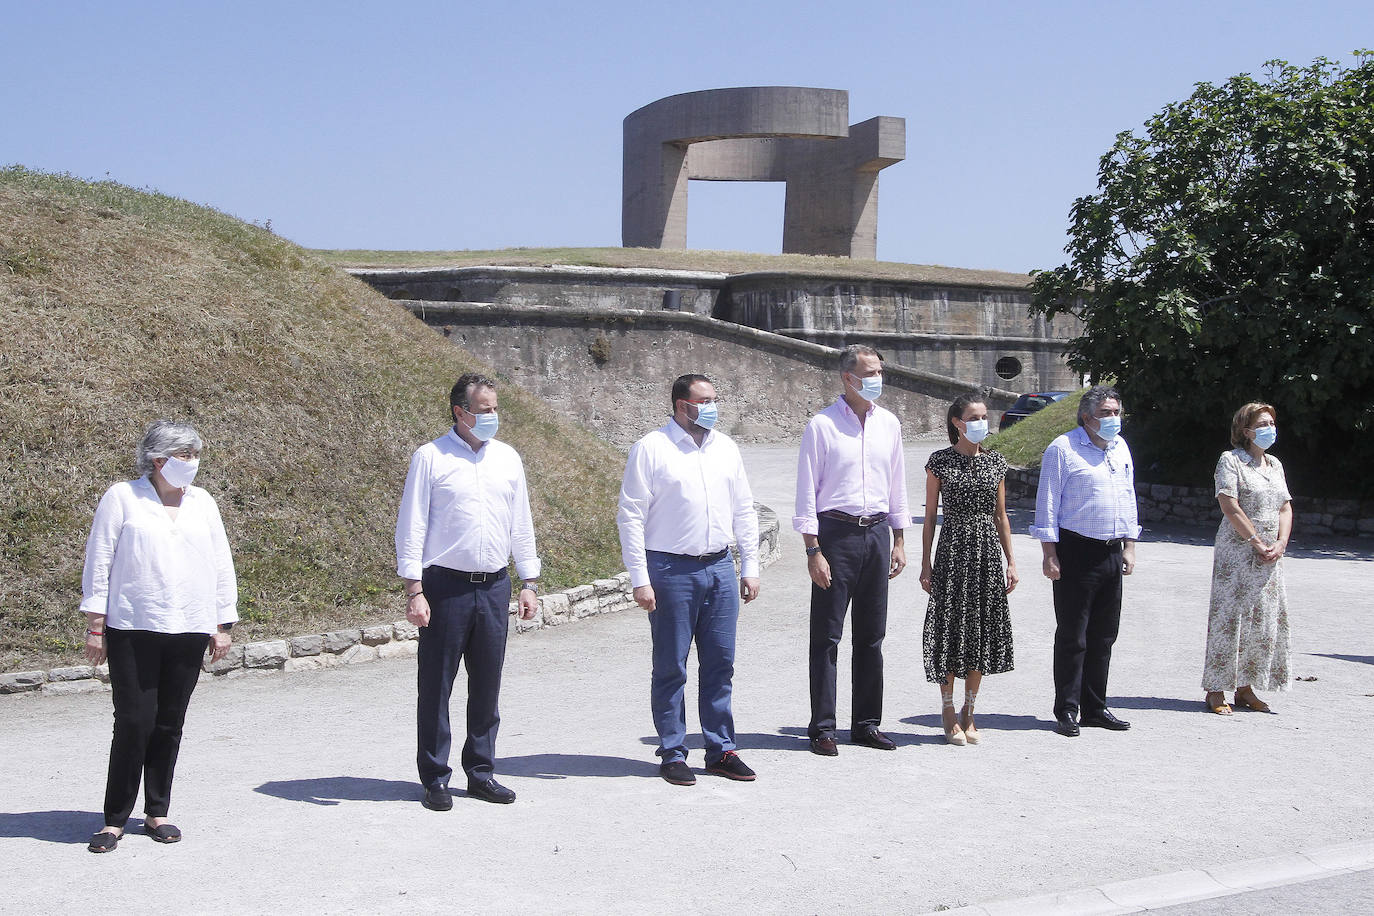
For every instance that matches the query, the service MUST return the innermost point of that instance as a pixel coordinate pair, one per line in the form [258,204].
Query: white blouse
[148,571]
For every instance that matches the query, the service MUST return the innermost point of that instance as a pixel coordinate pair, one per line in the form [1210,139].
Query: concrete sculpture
[769,133]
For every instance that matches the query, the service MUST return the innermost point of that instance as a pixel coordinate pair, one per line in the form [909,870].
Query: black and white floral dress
[968,624]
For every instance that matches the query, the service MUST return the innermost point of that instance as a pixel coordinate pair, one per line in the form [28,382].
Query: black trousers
[152,676]
[859,560]
[1087,609]
[468,623]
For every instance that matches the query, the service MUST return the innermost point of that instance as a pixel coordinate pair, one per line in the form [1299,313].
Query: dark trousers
[152,676]
[468,622]
[859,560]
[1087,608]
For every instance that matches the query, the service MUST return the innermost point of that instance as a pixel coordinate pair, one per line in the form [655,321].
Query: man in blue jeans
[683,501]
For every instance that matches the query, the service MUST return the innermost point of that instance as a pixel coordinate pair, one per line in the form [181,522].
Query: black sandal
[163,833]
[104,841]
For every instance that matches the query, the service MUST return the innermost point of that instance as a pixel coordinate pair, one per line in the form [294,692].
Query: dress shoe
[1104,719]
[824,745]
[490,790]
[871,737]
[1068,724]
[438,799]
[677,772]
[731,767]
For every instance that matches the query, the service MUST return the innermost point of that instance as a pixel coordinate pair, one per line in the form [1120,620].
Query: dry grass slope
[121,306]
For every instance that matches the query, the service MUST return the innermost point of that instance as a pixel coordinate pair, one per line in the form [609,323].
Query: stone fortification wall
[962,330]
[1198,506]
[612,371]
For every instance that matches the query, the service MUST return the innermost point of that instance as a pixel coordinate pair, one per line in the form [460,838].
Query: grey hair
[164,439]
[849,356]
[1093,398]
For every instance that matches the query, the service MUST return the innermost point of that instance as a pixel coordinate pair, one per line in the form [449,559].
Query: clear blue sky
[480,124]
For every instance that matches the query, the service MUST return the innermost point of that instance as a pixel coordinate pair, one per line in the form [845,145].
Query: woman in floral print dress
[1247,625]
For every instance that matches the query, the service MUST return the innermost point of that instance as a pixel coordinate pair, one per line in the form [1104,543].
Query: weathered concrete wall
[612,371]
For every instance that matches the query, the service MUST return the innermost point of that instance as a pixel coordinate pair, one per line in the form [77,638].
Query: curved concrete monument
[767,133]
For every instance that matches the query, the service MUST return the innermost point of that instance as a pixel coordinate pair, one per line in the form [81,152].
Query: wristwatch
[531,586]
[812,551]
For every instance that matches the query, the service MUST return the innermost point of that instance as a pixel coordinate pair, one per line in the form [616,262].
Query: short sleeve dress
[1247,623]
[968,624]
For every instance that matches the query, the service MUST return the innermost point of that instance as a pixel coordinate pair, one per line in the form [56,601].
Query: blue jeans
[693,600]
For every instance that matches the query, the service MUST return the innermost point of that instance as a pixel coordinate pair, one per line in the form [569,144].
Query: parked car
[1028,404]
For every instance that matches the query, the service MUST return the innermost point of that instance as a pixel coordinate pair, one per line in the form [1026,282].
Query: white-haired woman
[158,588]
[1247,622]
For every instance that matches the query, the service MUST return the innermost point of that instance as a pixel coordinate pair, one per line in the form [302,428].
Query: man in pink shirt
[851,511]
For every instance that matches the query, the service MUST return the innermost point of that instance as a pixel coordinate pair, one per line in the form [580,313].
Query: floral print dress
[1247,624]
[968,624]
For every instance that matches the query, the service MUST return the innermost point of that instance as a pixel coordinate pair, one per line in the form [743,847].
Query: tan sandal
[1248,700]
[1219,706]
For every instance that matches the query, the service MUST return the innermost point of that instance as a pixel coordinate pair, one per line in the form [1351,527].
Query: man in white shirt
[851,492]
[464,512]
[683,501]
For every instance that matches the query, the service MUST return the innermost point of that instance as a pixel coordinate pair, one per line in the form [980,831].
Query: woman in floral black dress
[968,625]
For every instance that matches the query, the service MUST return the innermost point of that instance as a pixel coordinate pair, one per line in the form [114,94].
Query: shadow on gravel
[561,766]
[330,790]
[989,721]
[1172,704]
[51,826]
[1360,659]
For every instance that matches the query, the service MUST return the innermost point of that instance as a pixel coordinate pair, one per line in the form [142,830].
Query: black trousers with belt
[859,561]
[152,676]
[1087,609]
[468,623]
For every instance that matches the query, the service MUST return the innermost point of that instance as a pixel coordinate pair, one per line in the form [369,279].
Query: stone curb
[1156,891]
[356,646]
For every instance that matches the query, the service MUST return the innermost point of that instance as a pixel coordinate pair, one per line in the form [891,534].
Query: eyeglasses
[702,400]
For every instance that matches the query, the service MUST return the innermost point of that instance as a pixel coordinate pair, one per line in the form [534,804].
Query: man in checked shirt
[1086,522]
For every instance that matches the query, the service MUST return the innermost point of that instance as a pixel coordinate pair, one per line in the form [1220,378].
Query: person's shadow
[992,721]
[562,766]
[1360,659]
[331,790]
[51,826]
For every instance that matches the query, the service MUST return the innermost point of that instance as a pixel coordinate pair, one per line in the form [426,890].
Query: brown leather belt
[863,521]
[1113,544]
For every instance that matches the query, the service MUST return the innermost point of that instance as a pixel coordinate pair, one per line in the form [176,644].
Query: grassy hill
[1024,443]
[311,390]
[727,262]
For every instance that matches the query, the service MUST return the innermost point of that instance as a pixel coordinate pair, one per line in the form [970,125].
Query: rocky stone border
[1198,506]
[366,644]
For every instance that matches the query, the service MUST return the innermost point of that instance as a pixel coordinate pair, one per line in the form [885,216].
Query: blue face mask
[871,388]
[1265,436]
[1109,427]
[486,426]
[706,415]
[975,430]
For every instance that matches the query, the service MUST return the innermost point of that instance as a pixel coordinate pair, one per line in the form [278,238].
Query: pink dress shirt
[854,467]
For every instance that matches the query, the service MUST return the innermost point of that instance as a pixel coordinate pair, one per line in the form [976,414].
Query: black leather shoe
[1068,724]
[438,799]
[1104,719]
[677,772]
[491,790]
[824,745]
[871,737]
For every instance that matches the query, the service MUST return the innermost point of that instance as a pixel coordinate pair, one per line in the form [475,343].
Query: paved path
[296,792]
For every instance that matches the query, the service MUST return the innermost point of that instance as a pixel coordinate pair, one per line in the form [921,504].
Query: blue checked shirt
[1086,489]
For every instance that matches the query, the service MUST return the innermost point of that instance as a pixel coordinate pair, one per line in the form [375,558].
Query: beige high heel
[953,733]
[966,719]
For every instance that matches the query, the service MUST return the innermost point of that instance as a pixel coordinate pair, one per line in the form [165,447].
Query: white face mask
[975,430]
[179,473]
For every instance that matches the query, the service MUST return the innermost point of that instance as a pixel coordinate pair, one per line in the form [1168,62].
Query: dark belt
[863,521]
[471,576]
[697,557]
[1113,544]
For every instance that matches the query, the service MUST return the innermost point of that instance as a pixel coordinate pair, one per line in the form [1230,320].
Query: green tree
[1228,256]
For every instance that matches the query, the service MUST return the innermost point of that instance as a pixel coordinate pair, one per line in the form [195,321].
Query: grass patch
[121,306]
[1025,442]
[726,262]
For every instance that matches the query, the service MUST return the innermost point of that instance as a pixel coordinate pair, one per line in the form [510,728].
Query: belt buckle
[477,577]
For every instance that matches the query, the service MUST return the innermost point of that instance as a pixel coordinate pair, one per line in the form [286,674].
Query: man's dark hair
[463,389]
[1093,399]
[682,387]
[956,411]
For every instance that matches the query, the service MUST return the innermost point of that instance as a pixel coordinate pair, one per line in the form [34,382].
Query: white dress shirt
[677,497]
[852,467]
[148,571]
[1086,489]
[465,510]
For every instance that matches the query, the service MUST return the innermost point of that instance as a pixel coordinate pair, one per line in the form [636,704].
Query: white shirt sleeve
[527,563]
[635,495]
[226,580]
[413,518]
[746,522]
[100,551]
